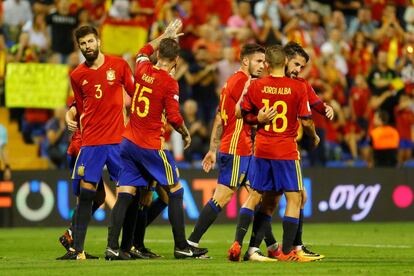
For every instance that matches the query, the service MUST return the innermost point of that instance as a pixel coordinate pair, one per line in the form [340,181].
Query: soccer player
[276,156]
[98,85]
[236,143]
[155,101]
[73,150]
[297,59]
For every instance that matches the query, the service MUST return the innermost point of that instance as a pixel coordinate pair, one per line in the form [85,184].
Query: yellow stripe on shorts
[299,174]
[168,168]
[235,171]
[76,162]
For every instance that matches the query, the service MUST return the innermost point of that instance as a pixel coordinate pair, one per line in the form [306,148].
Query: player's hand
[72,124]
[266,116]
[172,30]
[329,112]
[187,141]
[315,141]
[209,161]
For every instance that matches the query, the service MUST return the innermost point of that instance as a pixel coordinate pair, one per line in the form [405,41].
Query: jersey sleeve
[128,79]
[247,105]
[238,88]
[77,94]
[172,106]
[304,110]
[144,54]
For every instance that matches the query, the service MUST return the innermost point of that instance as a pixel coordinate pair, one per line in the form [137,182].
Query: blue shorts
[76,182]
[234,170]
[406,144]
[91,161]
[277,175]
[140,167]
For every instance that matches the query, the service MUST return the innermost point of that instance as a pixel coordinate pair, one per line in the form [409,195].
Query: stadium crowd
[361,64]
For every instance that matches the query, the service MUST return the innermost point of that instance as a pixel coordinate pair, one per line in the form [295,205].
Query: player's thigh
[233,170]
[89,164]
[132,173]
[161,166]
[113,162]
[263,175]
[287,175]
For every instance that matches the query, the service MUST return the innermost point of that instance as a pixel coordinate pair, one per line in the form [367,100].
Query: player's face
[89,46]
[256,64]
[295,66]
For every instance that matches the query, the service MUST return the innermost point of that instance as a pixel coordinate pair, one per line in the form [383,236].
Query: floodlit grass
[351,249]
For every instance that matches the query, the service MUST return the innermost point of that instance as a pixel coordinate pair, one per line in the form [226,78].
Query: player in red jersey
[73,150]
[98,86]
[276,156]
[297,59]
[236,142]
[144,161]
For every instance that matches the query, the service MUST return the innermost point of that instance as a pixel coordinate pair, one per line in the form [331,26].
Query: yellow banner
[118,39]
[36,85]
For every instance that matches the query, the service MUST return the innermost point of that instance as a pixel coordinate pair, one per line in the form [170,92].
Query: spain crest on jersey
[110,75]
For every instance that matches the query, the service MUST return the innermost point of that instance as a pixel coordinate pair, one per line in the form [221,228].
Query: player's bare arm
[70,118]
[309,128]
[209,160]
[185,134]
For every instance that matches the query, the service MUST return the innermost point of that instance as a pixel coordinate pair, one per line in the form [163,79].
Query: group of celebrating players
[264,96]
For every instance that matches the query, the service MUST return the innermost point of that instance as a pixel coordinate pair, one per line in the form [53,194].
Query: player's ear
[99,42]
[245,61]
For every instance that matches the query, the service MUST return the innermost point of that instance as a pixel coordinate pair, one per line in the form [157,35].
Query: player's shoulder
[115,60]
[78,71]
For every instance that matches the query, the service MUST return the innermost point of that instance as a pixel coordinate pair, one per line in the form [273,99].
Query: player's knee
[127,189]
[88,185]
[223,195]
[253,200]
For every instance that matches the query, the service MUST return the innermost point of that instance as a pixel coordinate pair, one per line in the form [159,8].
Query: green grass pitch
[350,249]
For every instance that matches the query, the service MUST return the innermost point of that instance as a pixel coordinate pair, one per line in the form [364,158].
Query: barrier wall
[44,198]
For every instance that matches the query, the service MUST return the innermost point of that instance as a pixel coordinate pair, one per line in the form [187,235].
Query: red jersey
[404,120]
[75,143]
[99,100]
[155,101]
[277,140]
[236,137]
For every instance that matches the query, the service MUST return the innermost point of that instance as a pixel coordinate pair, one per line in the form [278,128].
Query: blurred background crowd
[361,63]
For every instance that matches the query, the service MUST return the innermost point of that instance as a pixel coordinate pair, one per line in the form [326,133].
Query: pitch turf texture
[351,249]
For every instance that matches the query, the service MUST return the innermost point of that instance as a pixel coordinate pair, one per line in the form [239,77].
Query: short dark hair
[275,56]
[169,49]
[250,49]
[84,31]
[384,116]
[292,49]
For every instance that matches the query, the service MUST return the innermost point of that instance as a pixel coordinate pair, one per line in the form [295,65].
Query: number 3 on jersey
[141,98]
[280,115]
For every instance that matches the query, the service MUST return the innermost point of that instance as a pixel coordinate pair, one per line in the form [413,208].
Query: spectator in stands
[336,21]
[5,170]
[201,76]
[242,26]
[385,141]
[62,25]
[361,56]
[16,14]
[271,8]
[339,48]
[34,41]
[409,17]
[380,80]
[404,114]
[57,138]
[349,8]
[198,132]
[226,67]
[363,23]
